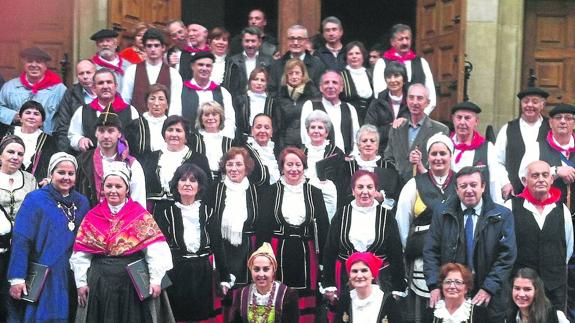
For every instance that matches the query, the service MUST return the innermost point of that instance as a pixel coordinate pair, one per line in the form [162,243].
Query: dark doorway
[369,21]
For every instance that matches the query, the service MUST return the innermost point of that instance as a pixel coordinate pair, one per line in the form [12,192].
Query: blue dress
[42,234]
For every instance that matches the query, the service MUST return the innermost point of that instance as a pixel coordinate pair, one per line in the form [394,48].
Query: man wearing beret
[525,131]
[153,70]
[201,89]
[36,83]
[471,149]
[107,55]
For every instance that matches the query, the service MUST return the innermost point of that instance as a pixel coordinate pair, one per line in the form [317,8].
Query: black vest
[191,102]
[515,150]
[553,158]
[480,159]
[417,74]
[90,118]
[542,250]
[346,126]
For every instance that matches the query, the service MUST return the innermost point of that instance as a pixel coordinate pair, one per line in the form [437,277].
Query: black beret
[200,55]
[562,108]
[466,105]
[109,119]
[104,33]
[35,52]
[532,91]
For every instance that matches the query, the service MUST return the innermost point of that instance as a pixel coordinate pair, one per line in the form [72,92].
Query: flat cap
[466,105]
[104,33]
[562,108]
[35,52]
[532,91]
[200,55]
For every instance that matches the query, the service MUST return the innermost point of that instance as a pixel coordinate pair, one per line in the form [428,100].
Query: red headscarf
[372,261]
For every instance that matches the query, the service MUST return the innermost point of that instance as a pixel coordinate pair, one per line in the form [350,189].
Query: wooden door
[46,24]
[549,48]
[440,39]
[124,14]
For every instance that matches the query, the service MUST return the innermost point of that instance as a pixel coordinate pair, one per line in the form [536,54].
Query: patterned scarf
[50,79]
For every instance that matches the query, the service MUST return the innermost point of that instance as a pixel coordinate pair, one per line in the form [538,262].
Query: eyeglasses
[455,282]
[567,117]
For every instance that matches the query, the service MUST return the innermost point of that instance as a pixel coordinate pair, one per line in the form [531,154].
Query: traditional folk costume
[39,147]
[213,146]
[357,89]
[109,238]
[44,233]
[118,66]
[12,195]
[193,234]
[298,227]
[266,170]
[248,106]
[466,313]
[362,229]
[279,305]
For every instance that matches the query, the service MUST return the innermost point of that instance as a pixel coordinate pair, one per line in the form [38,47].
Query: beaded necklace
[70,213]
[262,317]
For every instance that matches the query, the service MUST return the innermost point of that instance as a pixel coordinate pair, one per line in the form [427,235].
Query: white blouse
[268,158]
[257,104]
[219,68]
[235,212]
[157,141]
[213,143]
[460,315]
[314,154]
[30,141]
[361,82]
[368,165]
[362,228]
[192,228]
[366,310]
[293,205]
[168,163]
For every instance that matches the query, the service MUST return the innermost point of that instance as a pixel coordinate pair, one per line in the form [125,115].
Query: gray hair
[319,115]
[332,19]
[298,27]
[366,128]
[252,31]
[398,28]
[419,85]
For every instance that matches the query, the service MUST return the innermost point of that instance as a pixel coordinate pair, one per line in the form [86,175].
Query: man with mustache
[241,65]
[201,89]
[526,130]
[111,147]
[153,70]
[107,54]
[343,115]
[471,149]
[418,70]
[79,94]
[83,123]
[36,83]
[544,231]
[406,143]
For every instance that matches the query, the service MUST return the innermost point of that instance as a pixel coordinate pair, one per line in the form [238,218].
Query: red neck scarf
[191,49]
[554,197]
[96,59]
[195,87]
[118,105]
[477,141]
[50,79]
[127,232]
[392,55]
[555,146]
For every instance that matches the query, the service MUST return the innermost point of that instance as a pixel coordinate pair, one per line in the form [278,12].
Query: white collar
[237,187]
[460,315]
[363,209]
[298,188]
[154,120]
[376,294]
[117,208]
[191,207]
[477,208]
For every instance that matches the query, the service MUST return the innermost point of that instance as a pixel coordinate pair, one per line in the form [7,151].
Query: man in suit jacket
[406,146]
[242,64]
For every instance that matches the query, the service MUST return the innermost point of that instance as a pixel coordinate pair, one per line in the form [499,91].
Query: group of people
[256,187]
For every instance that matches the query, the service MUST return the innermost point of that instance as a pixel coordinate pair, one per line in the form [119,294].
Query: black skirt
[112,297]
[192,292]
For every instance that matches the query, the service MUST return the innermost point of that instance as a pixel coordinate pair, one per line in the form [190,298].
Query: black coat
[389,310]
[314,66]
[235,79]
[380,114]
[72,100]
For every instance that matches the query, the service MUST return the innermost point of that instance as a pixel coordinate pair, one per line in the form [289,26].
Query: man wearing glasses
[297,39]
[516,135]
[153,70]
[473,230]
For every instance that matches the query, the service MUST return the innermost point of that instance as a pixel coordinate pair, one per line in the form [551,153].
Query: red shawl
[117,105]
[476,141]
[554,196]
[211,87]
[122,234]
[132,55]
[392,55]
[50,79]
[96,59]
